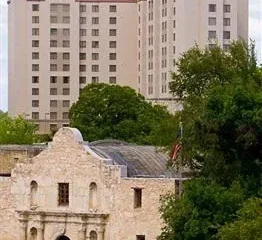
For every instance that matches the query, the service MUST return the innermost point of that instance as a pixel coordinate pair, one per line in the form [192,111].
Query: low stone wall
[12,154]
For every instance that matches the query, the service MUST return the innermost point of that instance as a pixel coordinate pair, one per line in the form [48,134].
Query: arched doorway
[63,237]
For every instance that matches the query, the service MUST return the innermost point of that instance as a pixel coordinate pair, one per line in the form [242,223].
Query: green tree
[16,130]
[199,214]
[198,69]
[248,225]
[111,111]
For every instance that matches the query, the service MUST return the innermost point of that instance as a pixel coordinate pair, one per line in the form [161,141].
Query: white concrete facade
[127,42]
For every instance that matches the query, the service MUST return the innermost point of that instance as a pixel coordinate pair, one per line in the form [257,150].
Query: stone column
[23,230]
[81,234]
[100,235]
[40,233]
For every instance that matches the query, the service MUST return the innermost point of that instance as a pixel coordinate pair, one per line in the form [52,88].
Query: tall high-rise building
[56,47]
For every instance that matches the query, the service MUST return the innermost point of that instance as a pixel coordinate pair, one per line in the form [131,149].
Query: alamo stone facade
[78,191]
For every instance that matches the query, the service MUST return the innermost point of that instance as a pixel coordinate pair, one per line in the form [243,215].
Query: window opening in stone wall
[140,237]
[92,195]
[33,234]
[93,235]
[63,194]
[137,197]
[33,194]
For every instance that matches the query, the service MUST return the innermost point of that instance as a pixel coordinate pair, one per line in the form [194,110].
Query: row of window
[66,80]
[53,91]
[95,8]
[213,35]
[53,115]
[212,21]
[213,8]
[53,103]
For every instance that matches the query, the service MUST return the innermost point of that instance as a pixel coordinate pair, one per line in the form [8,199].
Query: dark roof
[141,161]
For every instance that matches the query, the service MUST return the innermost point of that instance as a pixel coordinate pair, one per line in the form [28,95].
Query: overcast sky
[255,26]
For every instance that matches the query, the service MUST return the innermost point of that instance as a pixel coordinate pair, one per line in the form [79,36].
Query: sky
[255,33]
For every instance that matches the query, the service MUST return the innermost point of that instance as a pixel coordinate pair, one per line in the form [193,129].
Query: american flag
[175,150]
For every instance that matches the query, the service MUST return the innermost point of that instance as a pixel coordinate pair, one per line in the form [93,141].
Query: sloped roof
[141,161]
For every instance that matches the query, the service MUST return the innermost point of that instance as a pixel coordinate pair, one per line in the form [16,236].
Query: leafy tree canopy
[111,111]
[203,209]
[198,69]
[248,225]
[16,130]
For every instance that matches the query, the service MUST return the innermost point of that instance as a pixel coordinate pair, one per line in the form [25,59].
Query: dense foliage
[16,130]
[222,144]
[111,111]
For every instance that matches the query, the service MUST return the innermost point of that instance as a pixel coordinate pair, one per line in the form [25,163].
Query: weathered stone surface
[65,160]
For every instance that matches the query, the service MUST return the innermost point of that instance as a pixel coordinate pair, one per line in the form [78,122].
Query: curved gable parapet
[67,132]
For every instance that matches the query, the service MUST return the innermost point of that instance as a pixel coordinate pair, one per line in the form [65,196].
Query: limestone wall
[8,217]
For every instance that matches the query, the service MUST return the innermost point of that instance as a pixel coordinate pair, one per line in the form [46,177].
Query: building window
[66,91]
[212,21]
[33,234]
[112,44]
[95,56]
[82,44]
[53,103]
[226,47]
[212,34]
[82,8]
[93,235]
[53,55]
[53,67]
[112,80]
[92,196]
[53,31]
[66,103]
[112,56]
[63,194]
[35,103]
[95,79]
[82,20]
[112,68]
[53,7]
[137,197]
[33,193]
[35,55]
[66,67]
[95,8]
[82,68]
[82,32]
[65,115]
[53,79]
[66,7]
[53,115]
[53,91]
[82,56]
[35,19]
[35,115]
[226,21]
[66,56]
[112,32]
[35,79]
[140,237]
[82,80]
[35,67]
[95,44]
[35,31]
[66,19]
[95,68]
[112,20]
[66,32]
[53,127]
[95,32]
[112,8]
[212,7]
[95,20]
[226,35]
[35,7]
[53,43]
[53,19]
[227,8]
[35,43]
[66,43]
